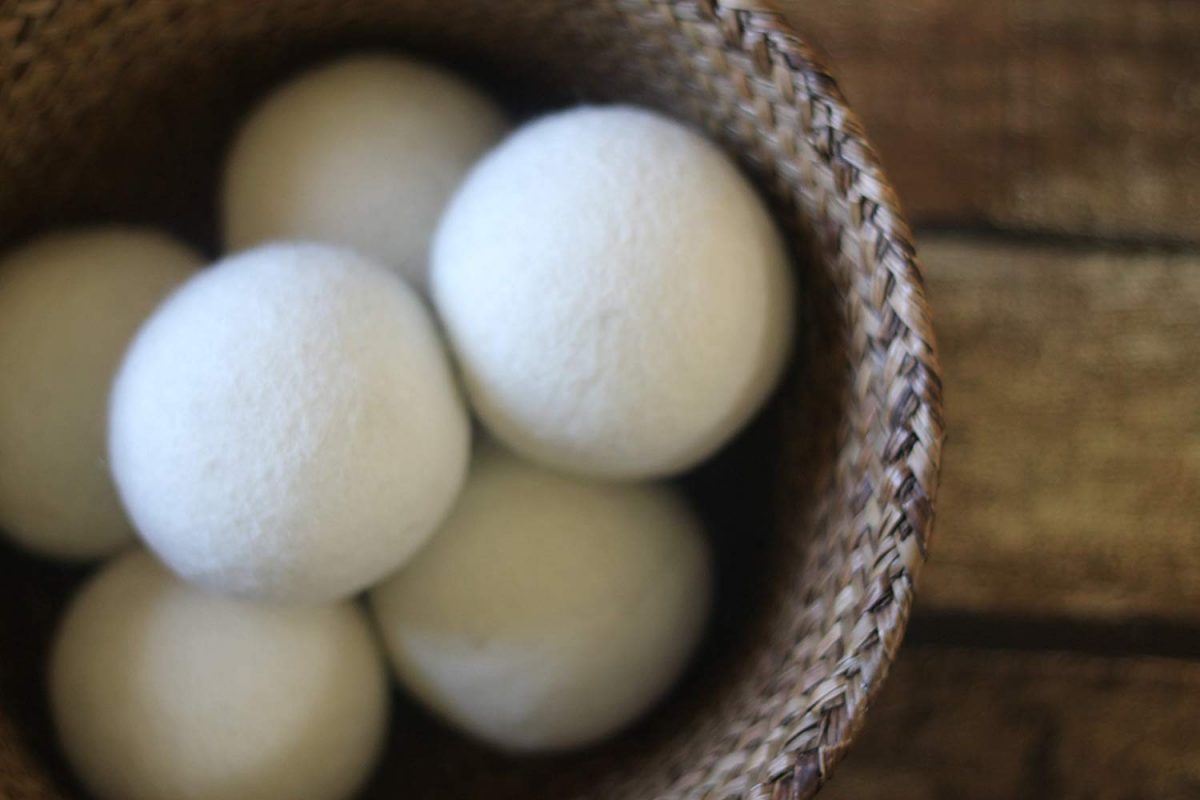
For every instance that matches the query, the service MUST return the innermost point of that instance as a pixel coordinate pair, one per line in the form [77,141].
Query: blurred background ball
[362,152]
[69,304]
[548,612]
[161,691]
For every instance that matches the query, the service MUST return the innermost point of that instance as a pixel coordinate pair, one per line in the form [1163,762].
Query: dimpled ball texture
[548,612]
[69,304]
[160,691]
[617,296]
[363,152]
[286,426]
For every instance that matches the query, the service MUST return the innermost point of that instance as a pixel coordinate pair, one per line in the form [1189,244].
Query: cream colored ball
[287,425]
[548,612]
[617,295]
[363,152]
[69,304]
[161,691]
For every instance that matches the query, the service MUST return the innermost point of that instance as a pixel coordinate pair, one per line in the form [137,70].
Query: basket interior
[122,111]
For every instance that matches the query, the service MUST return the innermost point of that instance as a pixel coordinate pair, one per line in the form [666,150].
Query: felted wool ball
[286,425]
[69,304]
[616,294]
[161,691]
[548,612]
[362,152]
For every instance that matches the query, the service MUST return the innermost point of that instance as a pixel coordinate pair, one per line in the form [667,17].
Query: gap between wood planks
[1060,241]
[1117,638]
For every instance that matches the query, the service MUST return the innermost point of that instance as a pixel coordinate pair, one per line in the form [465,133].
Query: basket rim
[761,29]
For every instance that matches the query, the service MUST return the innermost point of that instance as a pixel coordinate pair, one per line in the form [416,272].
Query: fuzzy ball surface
[69,304]
[548,612]
[616,293]
[286,426]
[363,152]
[161,691]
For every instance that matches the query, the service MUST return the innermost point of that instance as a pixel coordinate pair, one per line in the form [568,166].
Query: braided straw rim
[840,660]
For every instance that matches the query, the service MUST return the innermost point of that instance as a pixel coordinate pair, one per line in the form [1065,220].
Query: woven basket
[120,109]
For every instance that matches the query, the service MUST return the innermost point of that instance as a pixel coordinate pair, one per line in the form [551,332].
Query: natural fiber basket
[120,109]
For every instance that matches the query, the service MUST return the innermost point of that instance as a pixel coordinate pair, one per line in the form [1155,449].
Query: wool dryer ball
[286,426]
[161,691]
[616,293]
[69,304]
[548,612]
[363,152]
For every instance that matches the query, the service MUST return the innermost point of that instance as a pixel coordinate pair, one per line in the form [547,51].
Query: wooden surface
[987,725]
[1078,116]
[1072,469]
[1054,147]
[1048,152]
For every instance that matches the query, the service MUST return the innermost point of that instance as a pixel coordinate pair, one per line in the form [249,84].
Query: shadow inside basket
[147,152]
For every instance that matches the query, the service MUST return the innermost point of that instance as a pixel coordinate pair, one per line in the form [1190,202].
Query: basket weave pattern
[120,109]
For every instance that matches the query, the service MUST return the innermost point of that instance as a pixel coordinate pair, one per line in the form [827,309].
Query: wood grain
[1071,477]
[985,725]
[1078,117]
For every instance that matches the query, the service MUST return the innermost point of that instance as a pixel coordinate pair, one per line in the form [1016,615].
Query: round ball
[287,427]
[548,612]
[363,152]
[615,292]
[69,304]
[163,692]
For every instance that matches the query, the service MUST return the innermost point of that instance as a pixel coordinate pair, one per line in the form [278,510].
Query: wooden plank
[998,725]
[1071,475]
[1079,117]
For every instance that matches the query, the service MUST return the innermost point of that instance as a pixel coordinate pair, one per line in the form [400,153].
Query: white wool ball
[617,295]
[69,304]
[287,426]
[161,691]
[362,152]
[548,612]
